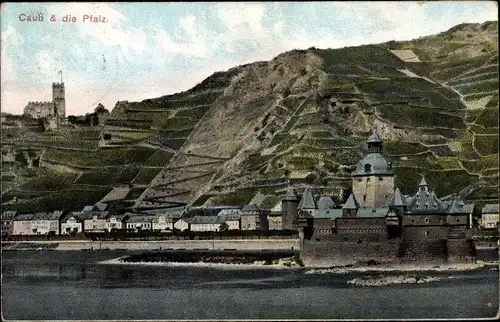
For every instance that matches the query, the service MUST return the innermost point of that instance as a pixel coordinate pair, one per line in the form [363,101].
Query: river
[70,285]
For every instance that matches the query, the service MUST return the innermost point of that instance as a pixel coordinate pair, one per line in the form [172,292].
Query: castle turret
[398,204]
[351,206]
[289,206]
[307,203]
[373,178]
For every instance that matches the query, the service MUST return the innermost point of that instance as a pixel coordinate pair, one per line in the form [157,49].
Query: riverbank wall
[236,244]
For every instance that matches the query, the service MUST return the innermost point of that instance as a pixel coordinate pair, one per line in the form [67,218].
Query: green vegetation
[486,144]
[362,54]
[424,160]
[104,157]
[444,182]
[238,197]
[175,123]
[467,151]
[255,161]
[73,200]
[493,101]
[407,115]
[302,162]
[174,144]
[158,159]
[146,175]
[403,148]
[144,125]
[483,86]
[134,193]
[488,118]
[193,113]
[176,134]
[50,180]
[109,176]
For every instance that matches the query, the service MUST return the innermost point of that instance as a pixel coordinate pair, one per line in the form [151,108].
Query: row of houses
[251,217]
[97,219]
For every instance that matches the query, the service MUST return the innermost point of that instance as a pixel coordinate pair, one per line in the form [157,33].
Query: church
[377,223]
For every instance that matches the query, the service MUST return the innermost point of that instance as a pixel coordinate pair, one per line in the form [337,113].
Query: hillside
[302,116]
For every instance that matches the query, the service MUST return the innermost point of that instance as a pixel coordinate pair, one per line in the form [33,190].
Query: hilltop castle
[378,222]
[45,109]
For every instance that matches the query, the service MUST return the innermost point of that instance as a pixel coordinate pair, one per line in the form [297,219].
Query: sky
[146,50]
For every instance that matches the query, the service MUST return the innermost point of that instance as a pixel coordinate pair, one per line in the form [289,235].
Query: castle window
[364,197]
[367,179]
[368,167]
[426,233]
[380,179]
[458,219]
[426,220]
[359,180]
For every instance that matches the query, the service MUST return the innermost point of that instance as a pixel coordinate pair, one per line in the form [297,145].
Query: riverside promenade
[226,244]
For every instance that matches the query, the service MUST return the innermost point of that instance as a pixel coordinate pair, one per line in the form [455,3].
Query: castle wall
[58,97]
[327,254]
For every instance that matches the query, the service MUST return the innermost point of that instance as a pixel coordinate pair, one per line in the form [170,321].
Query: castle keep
[377,222]
[45,109]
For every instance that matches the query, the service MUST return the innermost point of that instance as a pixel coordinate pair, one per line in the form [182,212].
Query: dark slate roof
[56,215]
[328,213]
[398,200]
[41,216]
[379,164]
[205,220]
[99,214]
[490,208]
[139,218]
[250,208]
[290,195]
[423,182]
[372,212]
[325,202]
[9,214]
[351,203]
[457,207]
[229,214]
[426,201]
[76,215]
[373,138]
[23,217]
[88,208]
[118,216]
[101,206]
[307,200]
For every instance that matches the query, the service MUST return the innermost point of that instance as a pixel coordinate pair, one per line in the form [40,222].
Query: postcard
[249,160]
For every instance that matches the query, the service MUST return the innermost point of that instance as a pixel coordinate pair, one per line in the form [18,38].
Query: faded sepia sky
[151,49]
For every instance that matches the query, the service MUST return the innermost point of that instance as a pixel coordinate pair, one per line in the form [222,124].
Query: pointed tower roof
[457,207]
[398,200]
[325,202]
[351,203]
[307,200]
[423,183]
[290,195]
[373,138]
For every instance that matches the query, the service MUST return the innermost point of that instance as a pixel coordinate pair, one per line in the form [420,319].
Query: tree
[223,227]
[100,109]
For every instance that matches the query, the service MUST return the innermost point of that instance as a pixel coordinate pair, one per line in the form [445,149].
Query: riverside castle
[377,222]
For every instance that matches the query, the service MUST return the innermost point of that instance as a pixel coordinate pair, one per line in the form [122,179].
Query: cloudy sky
[146,50]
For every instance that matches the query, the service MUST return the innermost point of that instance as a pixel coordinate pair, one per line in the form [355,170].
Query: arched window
[426,220]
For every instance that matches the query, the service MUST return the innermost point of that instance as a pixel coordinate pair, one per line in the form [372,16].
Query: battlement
[38,102]
[58,84]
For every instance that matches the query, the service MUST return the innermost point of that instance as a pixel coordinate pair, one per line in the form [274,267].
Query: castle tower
[289,206]
[373,178]
[58,97]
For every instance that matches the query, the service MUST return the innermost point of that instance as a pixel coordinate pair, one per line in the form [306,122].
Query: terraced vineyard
[303,116]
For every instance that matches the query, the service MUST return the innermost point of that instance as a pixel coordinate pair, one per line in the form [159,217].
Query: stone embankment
[242,244]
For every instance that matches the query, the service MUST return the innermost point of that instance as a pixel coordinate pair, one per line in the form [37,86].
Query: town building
[139,222]
[8,222]
[94,221]
[254,218]
[275,219]
[232,218]
[162,223]
[290,202]
[44,223]
[71,224]
[490,216]
[22,224]
[115,221]
[205,223]
[182,224]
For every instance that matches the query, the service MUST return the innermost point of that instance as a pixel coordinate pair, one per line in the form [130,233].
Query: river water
[75,285]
